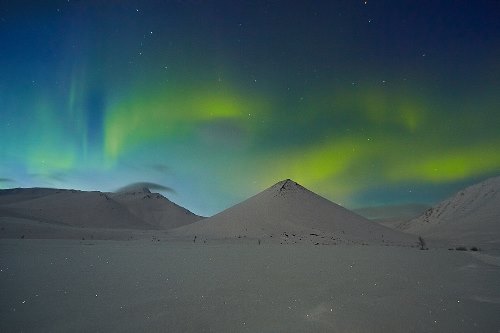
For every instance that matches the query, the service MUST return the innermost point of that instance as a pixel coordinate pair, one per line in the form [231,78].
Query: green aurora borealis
[365,103]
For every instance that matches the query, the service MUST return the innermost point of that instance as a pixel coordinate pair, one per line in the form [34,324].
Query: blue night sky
[363,102]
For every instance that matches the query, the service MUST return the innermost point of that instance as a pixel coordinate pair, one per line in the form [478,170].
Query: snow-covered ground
[240,286]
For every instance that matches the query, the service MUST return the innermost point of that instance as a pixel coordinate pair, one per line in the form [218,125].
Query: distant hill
[472,216]
[392,215]
[41,207]
[291,213]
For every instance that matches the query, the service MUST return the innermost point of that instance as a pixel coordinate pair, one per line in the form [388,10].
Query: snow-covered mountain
[139,210]
[291,213]
[472,216]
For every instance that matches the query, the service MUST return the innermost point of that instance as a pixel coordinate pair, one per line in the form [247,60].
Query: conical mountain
[292,213]
[471,216]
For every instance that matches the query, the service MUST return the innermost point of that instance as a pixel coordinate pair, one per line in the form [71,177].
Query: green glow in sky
[219,101]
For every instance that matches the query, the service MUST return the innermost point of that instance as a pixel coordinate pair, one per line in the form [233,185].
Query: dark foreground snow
[139,286]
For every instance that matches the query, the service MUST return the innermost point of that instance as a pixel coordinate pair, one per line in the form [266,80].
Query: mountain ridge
[130,210]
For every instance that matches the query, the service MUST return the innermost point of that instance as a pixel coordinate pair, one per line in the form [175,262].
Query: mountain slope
[290,212]
[15,195]
[155,209]
[78,209]
[471,216]
[392,215]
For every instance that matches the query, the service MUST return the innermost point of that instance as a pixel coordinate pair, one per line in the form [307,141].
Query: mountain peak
[287,183]
[286,186]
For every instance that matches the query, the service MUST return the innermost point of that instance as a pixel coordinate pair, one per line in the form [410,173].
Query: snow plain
[240,286]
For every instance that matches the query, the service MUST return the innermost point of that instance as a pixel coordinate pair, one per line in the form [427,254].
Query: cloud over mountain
[139,186]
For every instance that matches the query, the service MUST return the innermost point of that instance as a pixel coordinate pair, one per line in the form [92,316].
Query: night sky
[363,102]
